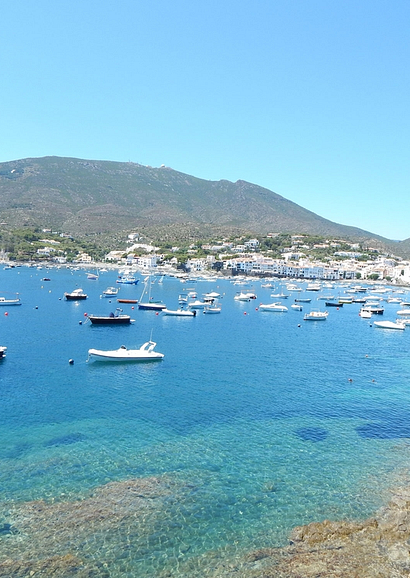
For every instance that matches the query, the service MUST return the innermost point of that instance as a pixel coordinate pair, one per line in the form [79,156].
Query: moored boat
[10,301]
[117,318]
[144,353]
[3,350]
[110,292]
[390,324]
[275,307]
[76,295]
[316,315]
[179,312]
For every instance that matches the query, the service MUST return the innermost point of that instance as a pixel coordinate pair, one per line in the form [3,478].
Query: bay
[254,422]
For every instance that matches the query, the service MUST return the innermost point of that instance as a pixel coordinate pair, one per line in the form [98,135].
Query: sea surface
[254,423]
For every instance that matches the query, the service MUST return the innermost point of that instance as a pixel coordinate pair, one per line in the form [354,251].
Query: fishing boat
[76,295]
[144,353]
[10,301]
[116,318]
[3,350]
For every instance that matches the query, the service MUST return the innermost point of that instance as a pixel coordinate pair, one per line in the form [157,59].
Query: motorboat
[303,300]
[316,315]
[76,295]
[144,353]
[375,309]
[211,295]
[279,295]
[110,292]
[346,300]
[333,304]
[275,307]
[365,313]
[212,309]
[404,312]
[116,318]
[296,307]
[390,324]
[179,312]
[242,296]
[152,306]
[10,301]
[313,287]
[3,350]
[197,304]
[127,280]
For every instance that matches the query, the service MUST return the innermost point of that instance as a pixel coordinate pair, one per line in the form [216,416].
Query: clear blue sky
[309,98]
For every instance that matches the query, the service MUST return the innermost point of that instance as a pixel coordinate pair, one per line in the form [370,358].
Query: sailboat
[149,304]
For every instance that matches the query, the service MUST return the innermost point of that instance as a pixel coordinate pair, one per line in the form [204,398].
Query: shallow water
[261,420]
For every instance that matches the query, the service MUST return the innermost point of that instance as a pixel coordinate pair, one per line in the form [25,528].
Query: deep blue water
[272,421]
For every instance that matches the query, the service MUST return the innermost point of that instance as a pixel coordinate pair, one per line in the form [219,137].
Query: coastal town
[294,257]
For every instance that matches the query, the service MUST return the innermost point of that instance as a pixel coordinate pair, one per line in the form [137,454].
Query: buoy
[298,324]
[6,313]
[350,379]
[85,314]
[156,313]
[71,361]
[132,307]
[36,307]
[244,312]
[80,322]
[256,308]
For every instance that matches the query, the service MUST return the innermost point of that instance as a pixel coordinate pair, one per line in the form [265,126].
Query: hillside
[101,197]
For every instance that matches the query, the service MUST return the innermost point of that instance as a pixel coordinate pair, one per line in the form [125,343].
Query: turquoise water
[258,420]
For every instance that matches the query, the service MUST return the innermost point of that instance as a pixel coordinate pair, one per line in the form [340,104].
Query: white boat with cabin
[316,315]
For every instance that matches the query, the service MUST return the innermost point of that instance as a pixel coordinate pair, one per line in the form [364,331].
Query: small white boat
[110,292]
[3,350]
[404,312]
[127,280]
[244,296]
[144,353]
[313,287]
[275,307]
[12,301]
[390,324]
[365,313]
[179,312]
[296,307]
[211,295]
[197,304]
[279,295]
[212,309]
[316,316]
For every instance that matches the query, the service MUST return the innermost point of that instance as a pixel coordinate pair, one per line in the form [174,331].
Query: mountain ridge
[81,197]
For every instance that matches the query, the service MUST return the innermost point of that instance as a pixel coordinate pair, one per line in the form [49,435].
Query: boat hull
[144,353]
[152,306]
[106,320]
